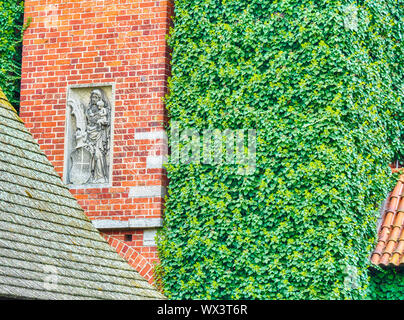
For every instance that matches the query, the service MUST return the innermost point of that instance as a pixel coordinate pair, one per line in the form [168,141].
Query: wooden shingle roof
[49,249]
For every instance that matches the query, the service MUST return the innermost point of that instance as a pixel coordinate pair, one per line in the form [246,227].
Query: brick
[89,43]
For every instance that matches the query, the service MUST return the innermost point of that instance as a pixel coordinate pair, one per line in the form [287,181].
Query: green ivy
[325,95]
[11,27]
[387,285]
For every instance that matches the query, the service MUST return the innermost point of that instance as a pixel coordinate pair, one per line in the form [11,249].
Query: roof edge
[4,102]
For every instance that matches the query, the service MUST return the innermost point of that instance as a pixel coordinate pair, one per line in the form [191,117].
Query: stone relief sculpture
[89,156]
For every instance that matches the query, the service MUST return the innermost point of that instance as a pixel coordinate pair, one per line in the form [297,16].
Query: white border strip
[137,223]
[147,192]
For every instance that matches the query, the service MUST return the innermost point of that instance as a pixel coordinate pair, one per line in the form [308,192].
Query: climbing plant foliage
[387,285]
[322,83]
[11,27]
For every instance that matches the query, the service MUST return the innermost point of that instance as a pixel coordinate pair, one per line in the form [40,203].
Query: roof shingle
[43,229]
[390,246]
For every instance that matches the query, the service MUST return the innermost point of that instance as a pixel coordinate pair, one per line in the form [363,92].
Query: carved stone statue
[92,139]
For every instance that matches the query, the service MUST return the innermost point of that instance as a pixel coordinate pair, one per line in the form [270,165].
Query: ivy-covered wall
[11,26]
[387,285]
[321,82]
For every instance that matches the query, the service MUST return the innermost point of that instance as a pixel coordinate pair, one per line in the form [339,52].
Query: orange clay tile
[389,250]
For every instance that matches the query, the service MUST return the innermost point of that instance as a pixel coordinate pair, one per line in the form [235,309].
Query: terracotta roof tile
[389,250]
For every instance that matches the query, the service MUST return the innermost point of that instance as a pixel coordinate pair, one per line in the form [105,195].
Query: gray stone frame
[82,94]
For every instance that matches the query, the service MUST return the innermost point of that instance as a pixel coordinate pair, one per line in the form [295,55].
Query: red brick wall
[139,257]
[72,42]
